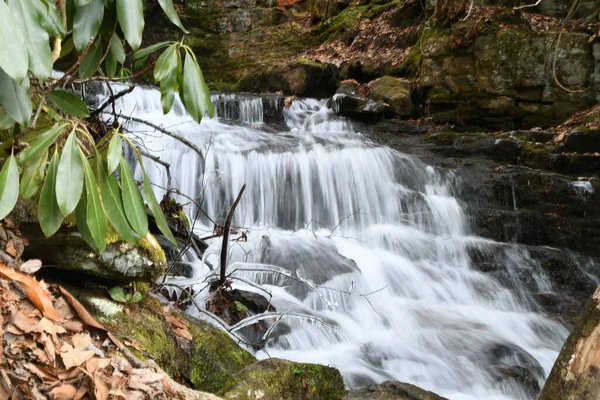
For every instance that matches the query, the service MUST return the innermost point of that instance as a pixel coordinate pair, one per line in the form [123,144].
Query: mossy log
[576,373]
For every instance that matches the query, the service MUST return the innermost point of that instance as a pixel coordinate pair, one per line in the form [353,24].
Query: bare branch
[225,245]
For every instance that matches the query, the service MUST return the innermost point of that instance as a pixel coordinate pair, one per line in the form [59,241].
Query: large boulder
[395,92]
[348,101]
[120,261]
[274,379]
[576,373]
[191,350]
[302,77]
[392,390]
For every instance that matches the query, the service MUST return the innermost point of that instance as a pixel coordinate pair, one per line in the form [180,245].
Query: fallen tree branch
[225,245]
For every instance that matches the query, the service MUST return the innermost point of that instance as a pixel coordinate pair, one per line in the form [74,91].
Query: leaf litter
[53,348]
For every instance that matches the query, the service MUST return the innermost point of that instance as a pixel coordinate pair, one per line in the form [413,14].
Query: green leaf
[81,221]
[95,216]
[117,294]
[49,18]
[36,37]
[146,51]
[6,121]
[86,23]
[15,98]
[9,186]
[44,138]
[115,153]
[69,103]
[69,177]
[131,18]
[33,175]
[167,98]
[116,53]
[113,204]
[90,63]
[67,47]
[167,6]
[48,212]
[159,217]
[13,51]
[132,201]
[137,297]
[81,3]
[196,96]
[166,63]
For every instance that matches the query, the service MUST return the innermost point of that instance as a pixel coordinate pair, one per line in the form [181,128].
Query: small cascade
[370,241]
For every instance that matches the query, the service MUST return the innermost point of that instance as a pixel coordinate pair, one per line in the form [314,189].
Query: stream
[363,247]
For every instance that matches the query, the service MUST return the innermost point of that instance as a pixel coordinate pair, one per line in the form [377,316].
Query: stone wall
[509,77]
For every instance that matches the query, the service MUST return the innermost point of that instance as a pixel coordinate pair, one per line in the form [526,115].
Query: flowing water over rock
[366,239]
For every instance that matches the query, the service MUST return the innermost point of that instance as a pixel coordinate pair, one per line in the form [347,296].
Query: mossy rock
[120,261]
[302,77]
[395,92]
[274,379]
[391,390]
[206,362]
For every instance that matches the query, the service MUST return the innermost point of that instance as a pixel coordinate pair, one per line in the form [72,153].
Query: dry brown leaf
[1,341]
[81,340]
[63,308]
[10,248]
[49,347]
[73,357]
[31,266]
[80,310]
[35,293]
[82,390]
[69,374]
[121,364]
[41,372]
[101,391]
[64,392]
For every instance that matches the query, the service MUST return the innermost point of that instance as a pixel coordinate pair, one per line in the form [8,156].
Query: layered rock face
[513,77]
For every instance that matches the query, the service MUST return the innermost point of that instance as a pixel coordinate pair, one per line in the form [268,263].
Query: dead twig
[225,245]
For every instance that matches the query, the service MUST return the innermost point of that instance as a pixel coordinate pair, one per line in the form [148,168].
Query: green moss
[208,362]
[214,358]
[286,379]
[306,61]
[151,247]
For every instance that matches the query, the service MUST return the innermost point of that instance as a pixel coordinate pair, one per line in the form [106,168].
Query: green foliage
[119,295]
[80,177]
[9,184]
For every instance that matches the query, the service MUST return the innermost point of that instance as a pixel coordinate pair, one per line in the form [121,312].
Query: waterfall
[377,234]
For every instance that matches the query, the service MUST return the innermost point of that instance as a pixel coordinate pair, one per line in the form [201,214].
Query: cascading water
[375,243]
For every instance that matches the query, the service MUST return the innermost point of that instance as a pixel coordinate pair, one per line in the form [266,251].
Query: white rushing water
[346,215]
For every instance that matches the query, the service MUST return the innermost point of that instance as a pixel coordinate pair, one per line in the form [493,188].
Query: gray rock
[391,390]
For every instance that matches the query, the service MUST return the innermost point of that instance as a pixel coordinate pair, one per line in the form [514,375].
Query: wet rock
[348,102]
[510,364]
[274,379]
[395,92]
[121,261]
[391,390]
[575,374]
[499,148]
[253,301]
[403,127]
[583,141]
[302,77]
